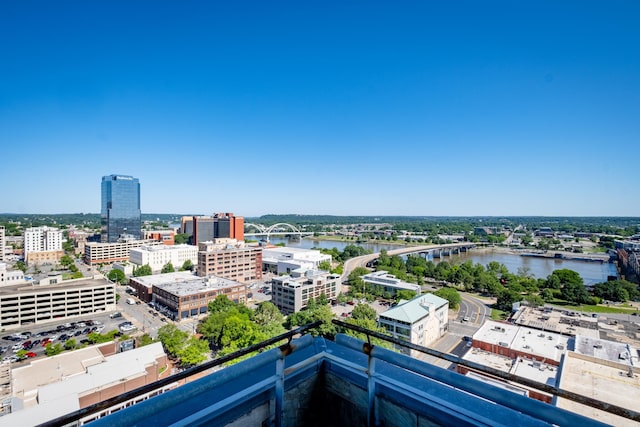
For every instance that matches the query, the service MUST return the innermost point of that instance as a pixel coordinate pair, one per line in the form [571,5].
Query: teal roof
[415,309]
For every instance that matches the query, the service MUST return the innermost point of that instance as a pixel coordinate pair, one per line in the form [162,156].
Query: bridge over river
[437,251]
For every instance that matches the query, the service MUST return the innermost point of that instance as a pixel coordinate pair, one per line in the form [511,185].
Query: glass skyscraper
[120,213]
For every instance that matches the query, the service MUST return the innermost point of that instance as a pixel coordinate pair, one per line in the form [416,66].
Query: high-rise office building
[120,213]
[218,226]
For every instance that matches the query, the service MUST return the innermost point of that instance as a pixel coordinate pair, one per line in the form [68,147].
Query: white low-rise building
[389,283]
[420,321]
[157,256]
[284,260]
[10,277]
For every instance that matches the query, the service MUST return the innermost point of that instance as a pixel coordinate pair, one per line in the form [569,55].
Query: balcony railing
[382,378]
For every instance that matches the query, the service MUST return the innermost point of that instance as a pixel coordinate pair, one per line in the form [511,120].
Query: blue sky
[344,108]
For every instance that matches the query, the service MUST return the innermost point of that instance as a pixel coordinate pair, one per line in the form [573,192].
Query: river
[591,272]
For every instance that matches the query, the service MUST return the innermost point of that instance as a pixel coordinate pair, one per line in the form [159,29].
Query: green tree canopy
[172,338]
[451,295]
[405,294]
[144,270]
[167,268]
[187,266]
[267,313]
[181,238]
[116,275]
[616,290]
[324,265]
[364,311]
[66,261]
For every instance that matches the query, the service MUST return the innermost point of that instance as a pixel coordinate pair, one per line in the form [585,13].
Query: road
[476,310]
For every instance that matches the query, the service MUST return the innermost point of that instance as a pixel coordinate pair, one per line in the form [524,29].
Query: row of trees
[496,280]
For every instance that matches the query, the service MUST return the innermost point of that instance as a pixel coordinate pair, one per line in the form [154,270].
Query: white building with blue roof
[420,321]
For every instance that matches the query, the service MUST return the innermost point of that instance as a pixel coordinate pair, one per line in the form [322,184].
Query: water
[591,272]
[309,243]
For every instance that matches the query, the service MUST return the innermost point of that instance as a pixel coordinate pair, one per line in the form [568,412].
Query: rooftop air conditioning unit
[597,345]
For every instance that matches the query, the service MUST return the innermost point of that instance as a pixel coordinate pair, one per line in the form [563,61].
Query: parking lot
[34,339]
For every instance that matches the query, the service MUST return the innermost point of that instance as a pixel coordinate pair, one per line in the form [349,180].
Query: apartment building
[157,256]
[291,293]
[2,243]
[107,253]
[42,245]
[230,259]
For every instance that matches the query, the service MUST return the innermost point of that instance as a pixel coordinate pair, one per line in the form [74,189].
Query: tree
[193,352]
[572,286]
[20,265]
[616,290]
[506,298]
[53,349]
[145,340]
[66,261]
[172,339]
[324,265]
[70,344]
[547,295]
[168,268]
[181,238]
[116,276]
[309,315]
[221,303]
[534,300]
[267,313]
[187,266]
[576,293]
[364,311]
[451,295]
[144,270]
[405,294]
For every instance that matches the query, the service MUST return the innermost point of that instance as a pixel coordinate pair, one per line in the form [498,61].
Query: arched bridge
[279,228]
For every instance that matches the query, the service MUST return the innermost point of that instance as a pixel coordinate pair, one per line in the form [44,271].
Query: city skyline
[420,109]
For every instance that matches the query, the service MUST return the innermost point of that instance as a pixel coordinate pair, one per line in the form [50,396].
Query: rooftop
[498,333]
[414,309]
[605,381]
[196,285]
[535,371]
[52,387]
[602,349]
[31,287]
[159,279]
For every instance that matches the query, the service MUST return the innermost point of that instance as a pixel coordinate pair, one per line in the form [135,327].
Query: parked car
[31,354]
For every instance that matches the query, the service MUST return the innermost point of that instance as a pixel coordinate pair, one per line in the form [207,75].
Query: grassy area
[498,314]
[596,308]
